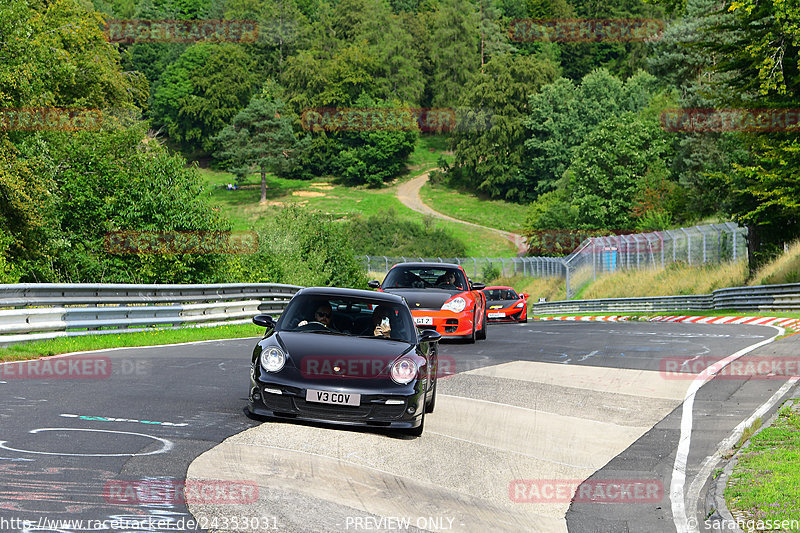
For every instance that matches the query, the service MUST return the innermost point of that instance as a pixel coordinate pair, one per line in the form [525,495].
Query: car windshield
[424,278]
[500,294]
[353,316]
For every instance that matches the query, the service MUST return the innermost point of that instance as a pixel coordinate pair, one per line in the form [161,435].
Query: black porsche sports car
[346,356]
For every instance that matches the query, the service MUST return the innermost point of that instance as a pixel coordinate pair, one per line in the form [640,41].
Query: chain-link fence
[697,245]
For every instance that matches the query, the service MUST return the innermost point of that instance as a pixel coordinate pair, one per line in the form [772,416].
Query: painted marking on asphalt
[110,419]
[166,445]
[676,491]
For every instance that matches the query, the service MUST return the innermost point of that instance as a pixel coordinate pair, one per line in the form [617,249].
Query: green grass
[36,349]
[242,206]
[507,216]
[765,483]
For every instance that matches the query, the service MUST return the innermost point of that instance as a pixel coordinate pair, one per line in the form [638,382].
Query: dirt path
[408,194]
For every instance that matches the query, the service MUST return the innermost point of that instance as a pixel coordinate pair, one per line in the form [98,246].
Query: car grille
[275,402]
[349,412]
[336,412]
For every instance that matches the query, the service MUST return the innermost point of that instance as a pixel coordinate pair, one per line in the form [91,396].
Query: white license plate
[497,315]
[337,398]
[423,320]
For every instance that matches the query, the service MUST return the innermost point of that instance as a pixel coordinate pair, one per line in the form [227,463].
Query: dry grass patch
[784,269]
[676,279]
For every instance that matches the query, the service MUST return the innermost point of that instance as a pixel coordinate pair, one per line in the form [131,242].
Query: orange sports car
[505,305]
[441,297]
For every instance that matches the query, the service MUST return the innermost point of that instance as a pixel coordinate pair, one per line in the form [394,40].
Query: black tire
[523,318]
[472,337]
[429,407]
[482,333]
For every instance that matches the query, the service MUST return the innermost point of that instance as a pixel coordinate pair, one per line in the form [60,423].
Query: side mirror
[477,286]
[525,295]
[265,321]
[374,284]
[429,335]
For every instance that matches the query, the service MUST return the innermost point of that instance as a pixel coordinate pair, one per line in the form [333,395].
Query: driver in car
[322,315]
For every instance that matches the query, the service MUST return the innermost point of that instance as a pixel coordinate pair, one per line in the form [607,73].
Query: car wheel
[471,338]
[432,404]
[417,431]
[482,332]
[523,319]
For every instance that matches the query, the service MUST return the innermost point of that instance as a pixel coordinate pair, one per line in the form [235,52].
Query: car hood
[425,298]
[501,303]
[316,354]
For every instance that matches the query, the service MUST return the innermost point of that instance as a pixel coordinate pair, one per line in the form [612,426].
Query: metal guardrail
[758,298]
[34,311]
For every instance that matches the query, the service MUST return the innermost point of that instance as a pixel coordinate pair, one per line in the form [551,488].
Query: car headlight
[404,371]
[455,305]
[272,359]
[520,304]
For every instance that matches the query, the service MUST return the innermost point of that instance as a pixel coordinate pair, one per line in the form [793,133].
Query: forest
[581,130]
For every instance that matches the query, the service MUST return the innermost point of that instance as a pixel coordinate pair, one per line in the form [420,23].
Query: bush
[490,272]
[386,233]
[303,247]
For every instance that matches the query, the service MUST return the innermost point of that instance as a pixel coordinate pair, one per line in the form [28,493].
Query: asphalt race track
[111,439]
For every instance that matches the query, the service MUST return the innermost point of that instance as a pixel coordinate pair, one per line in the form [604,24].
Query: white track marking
[711,461]
[676,490]
[165,444]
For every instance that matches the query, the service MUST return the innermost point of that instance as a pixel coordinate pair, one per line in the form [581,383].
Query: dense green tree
[453,48]
[562,115]
[489,157]
[201,92]
[610,165]
[259,138]
[371,157]
[55,54]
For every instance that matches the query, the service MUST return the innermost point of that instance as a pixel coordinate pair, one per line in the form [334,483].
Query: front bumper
[510,314]
[448,323]
[373,409]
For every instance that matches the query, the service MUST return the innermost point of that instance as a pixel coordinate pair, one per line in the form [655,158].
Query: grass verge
[498,214]
[765,482]
[676,279]
[44,348]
